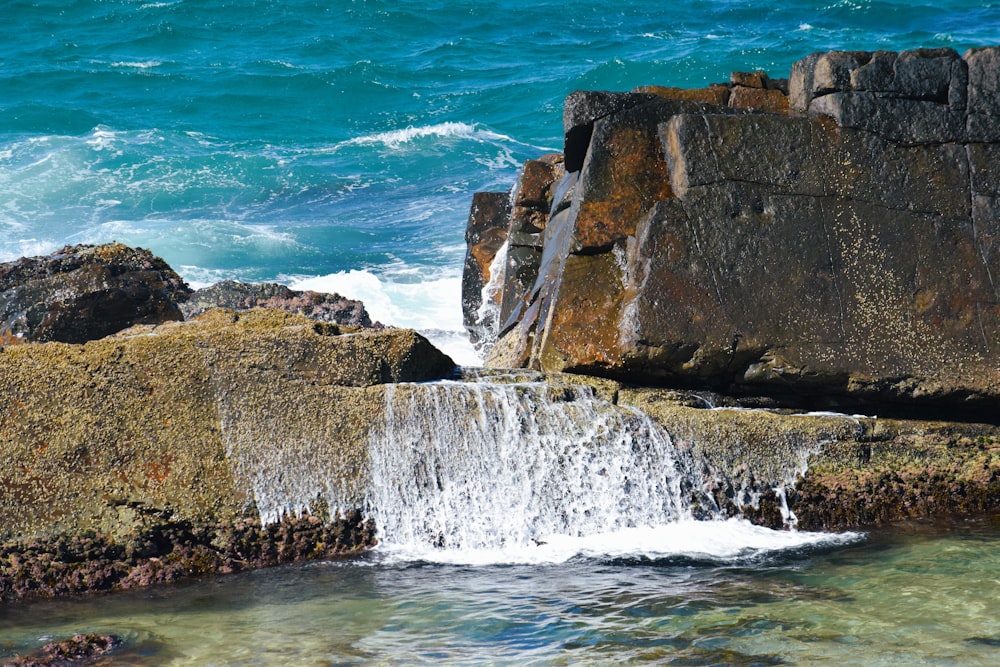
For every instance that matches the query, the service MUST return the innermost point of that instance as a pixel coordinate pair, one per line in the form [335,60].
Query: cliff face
[834,238]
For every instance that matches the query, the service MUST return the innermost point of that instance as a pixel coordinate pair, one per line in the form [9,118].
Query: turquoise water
[914,595]
[340,142]
[336,145]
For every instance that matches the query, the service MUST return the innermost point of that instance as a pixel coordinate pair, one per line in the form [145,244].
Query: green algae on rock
[831,471]
[193,422]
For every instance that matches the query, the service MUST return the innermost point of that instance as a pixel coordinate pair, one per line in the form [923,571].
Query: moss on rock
[193,424]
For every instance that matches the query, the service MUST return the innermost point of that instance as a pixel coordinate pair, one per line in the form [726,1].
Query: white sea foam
[432,307]
[137,64]
[102,138]
[498,473]
[721,541]
[396,138]
[17,248]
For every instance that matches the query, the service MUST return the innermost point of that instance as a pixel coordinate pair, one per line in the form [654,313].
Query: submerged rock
[840,247]
[81,649]
[85,292]
[245,296]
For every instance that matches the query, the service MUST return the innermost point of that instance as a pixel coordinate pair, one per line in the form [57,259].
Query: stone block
[983,94]
[749,79]
[581,110]
[759,99]
[900,120]
[717,93]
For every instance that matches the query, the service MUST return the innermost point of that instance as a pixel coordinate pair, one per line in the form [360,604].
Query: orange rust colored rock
[633,177]
[717,93]
[773,101]
[758,79]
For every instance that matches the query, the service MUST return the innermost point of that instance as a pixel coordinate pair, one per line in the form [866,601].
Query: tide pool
[913,594]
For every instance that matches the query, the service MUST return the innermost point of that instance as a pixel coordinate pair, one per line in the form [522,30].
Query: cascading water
[482,472]
[493,466]
[511,470]
[488,315]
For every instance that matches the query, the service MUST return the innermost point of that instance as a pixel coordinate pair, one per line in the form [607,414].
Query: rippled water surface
[917,594]
[336,145]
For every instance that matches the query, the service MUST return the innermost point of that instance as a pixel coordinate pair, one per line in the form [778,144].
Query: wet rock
[81,649]
[485,234]
[581,110]
[82,293]
[828,471]
[244,296]
[164,550]
[199,421]
[845,252]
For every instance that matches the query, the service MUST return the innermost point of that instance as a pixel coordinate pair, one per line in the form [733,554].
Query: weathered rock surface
[245,296]
[80,649]
[749,457]
[190,426]
[82,293]
[835,472]
[843,252]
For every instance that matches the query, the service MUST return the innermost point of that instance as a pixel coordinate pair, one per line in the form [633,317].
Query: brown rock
[848,255]
[200,420]
[749,79]
[716,94]
[486,232]
[758,99]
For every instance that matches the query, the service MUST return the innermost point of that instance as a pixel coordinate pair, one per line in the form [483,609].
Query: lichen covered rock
[194,424]
[827,471]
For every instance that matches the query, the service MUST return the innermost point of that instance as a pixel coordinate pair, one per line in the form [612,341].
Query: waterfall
[499,466]
[512,469]
[488,314]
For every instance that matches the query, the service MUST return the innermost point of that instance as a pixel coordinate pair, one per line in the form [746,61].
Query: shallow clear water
[915,594]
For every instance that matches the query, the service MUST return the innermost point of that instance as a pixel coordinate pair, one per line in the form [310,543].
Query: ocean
[336,146]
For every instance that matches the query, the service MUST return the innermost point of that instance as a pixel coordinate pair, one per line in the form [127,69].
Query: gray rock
[244,296]
[84,292]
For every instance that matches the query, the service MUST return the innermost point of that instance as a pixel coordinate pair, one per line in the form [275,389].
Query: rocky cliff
[832,239]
